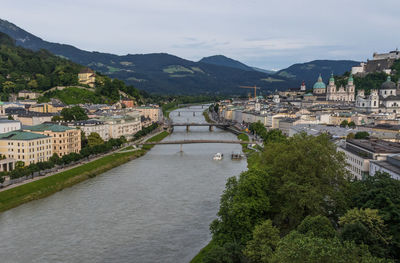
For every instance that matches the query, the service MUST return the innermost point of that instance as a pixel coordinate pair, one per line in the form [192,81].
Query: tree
[317,226]
[262,246]
[244,204]
[361,135]
[365,226]
[298,248]
[344,123]
[381,192]
[309,178]
[94,139]
[10,117]
[75,113]
[257,128]
[273,135]
[350,135]
[352,124]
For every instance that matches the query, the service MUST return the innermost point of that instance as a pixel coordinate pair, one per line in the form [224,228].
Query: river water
[153,209]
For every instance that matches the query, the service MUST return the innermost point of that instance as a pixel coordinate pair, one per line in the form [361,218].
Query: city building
[341,94]
[90,126]
[319,88]
[123,125]
[65,139]
[9,125]
[390,166]
[154,113]
[87,77]
[34,118]
[359,153]
[26,147]
[386,100]
[27,94]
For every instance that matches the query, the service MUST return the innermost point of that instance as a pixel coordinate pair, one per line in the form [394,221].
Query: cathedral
[343,93]
[332,93]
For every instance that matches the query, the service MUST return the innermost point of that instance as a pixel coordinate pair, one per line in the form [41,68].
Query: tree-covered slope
[22,68]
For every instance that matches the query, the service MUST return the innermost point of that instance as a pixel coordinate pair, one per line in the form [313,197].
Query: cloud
[263,33]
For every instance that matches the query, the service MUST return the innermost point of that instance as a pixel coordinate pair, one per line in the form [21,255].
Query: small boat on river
[218,156]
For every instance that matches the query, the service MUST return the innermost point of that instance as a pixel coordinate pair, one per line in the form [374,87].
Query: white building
[359,153]
[90,126]
[391,166]
[123,125]
[9,125]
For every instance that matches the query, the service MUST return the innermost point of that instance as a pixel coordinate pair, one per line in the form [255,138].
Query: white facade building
[9,125]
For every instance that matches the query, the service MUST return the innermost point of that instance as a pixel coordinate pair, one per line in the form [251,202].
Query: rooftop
[21,135]
[49,127]
[376,145]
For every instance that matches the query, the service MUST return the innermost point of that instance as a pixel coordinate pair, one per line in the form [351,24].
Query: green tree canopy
[94,139]
[75,113]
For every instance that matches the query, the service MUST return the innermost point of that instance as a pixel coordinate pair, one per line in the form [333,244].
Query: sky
[270,34]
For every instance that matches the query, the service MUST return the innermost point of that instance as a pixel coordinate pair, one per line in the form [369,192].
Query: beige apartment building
[154,113]
[65,139]
[26,147]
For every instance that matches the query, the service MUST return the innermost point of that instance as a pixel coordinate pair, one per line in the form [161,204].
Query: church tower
[303,86]
[331,89]
[350,88]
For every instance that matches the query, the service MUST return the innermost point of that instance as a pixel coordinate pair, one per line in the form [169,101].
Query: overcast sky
[263,33]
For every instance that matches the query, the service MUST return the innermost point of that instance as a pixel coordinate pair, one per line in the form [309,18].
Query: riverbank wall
[49,185]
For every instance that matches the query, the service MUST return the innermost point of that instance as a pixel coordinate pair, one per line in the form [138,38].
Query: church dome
[388,84]
[319,84]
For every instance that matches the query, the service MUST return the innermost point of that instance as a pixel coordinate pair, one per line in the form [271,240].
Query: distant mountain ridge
[221,60]
[310,71]
[168,74]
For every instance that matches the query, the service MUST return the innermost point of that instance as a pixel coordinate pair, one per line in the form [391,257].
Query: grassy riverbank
[49,185]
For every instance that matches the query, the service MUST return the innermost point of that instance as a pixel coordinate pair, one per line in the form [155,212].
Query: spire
[319,78]
[388,78]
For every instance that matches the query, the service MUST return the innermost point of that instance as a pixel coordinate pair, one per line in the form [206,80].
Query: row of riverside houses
[336,111]
[28,133]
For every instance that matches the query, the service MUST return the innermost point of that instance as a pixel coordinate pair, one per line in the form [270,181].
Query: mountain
[264,70]
[159,72]
[309,71]
[221,60]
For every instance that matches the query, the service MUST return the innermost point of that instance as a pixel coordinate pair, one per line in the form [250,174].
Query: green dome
[319,84]
[350,77]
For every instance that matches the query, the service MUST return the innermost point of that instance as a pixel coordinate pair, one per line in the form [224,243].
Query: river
[153,209]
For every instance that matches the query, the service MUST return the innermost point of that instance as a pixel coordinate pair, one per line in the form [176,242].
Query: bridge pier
[179,113]
[181,148]
[194,113]
[187,128]
[210,128]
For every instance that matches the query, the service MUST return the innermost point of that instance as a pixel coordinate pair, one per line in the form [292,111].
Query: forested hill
[40,71]
[22,68]
[157,73]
